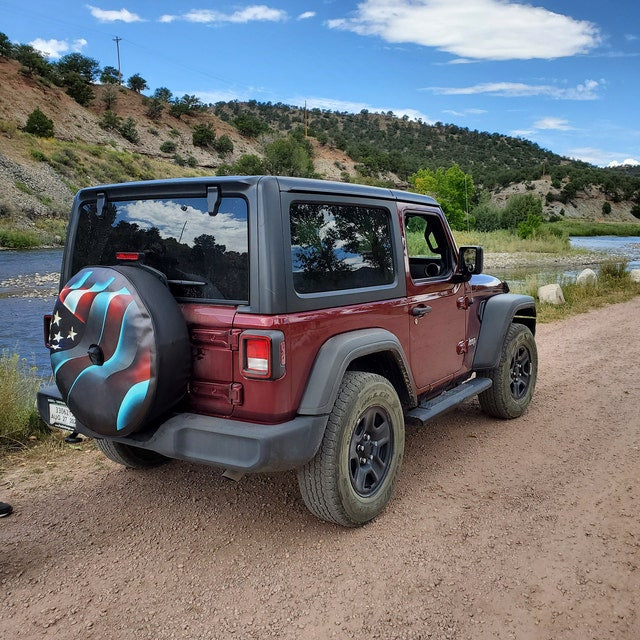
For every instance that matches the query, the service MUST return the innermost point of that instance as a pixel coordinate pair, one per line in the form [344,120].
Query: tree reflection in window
[338,247]
[170,234]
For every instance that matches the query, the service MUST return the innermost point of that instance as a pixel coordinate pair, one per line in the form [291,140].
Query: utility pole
[117,41]
[306,121]
[466,201]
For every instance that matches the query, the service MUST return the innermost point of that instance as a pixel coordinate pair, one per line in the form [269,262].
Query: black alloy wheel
[370,451]
[520,372]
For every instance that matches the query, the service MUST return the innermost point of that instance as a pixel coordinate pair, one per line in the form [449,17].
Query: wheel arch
[498,313]
[372,350]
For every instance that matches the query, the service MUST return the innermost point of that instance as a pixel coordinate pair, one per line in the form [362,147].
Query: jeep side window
[336,247]
[427,247]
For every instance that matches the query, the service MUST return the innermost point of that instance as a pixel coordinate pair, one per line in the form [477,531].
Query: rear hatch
[197,238]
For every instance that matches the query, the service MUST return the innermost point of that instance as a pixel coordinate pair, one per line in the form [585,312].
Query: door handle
[420,311]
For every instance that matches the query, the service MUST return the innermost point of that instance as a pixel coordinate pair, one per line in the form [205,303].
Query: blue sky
[563,74]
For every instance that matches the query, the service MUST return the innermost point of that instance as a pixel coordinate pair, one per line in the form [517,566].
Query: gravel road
[525,529]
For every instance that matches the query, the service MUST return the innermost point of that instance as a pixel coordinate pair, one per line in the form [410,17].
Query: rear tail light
[258,355]
[262,354]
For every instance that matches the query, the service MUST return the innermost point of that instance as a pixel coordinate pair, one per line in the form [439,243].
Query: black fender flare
[497,315]
[335,356]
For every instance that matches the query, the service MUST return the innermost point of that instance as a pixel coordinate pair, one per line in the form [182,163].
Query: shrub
[168,146]
[203,135]
[110,121]
[530,227]
[38,155]
[635,211]
[129,131]
[487,216]
[155,108]
[519,208]
[79,90]
[18,418]
[614,270]
[606,208]
[223,144]
[39,125]
[109,97]
[249,125]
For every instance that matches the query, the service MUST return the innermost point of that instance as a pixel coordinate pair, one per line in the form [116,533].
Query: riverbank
[528,259]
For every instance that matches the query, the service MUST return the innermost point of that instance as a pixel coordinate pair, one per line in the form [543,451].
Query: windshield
[202,256]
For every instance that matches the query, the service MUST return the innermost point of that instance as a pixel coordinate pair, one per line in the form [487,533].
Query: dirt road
[521,529]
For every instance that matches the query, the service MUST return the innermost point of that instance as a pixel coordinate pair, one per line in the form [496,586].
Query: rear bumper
[226,443]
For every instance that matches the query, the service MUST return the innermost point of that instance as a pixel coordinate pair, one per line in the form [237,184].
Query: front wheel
[514,377]
[350,480]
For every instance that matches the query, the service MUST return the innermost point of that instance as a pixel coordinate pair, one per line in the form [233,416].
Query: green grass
[504,241]
[587,228]
[614,285]
[47,232]
[19,420]
[19,238]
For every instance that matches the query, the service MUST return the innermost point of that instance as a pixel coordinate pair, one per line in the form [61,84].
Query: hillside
[91,145]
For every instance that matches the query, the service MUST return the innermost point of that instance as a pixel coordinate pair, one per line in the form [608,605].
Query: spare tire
[120,350]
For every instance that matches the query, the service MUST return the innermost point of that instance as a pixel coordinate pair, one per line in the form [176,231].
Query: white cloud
[465,112]
[306,15]
[480,29]
[57,48]
[555,124]
[601,157]
[123,15]
[252,13]
[588,90]
[628,162]
[356,107]
[170,219]
[521,133]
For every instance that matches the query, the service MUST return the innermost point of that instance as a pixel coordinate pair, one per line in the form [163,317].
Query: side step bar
[447,400]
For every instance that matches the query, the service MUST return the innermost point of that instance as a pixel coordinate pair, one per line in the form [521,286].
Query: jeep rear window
[202,256]
[336,246]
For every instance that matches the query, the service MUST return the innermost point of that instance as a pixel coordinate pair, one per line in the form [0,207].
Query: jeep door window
[202,256]
[427,247]
[337,246]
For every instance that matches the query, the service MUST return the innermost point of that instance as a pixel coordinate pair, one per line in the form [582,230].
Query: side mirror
[469,262]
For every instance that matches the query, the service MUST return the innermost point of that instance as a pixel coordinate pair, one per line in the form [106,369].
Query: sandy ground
[526,529]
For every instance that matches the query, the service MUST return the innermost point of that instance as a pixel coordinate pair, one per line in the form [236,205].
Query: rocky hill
[38,175]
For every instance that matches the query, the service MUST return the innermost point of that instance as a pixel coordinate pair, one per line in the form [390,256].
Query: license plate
[60,416]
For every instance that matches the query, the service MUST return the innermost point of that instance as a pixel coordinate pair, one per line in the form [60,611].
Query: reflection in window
[336,247]
[202,256]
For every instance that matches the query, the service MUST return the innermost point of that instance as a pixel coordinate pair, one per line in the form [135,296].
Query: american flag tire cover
[103,353]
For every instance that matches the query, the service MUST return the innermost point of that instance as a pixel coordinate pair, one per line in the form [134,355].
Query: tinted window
[201,255]
[336,247]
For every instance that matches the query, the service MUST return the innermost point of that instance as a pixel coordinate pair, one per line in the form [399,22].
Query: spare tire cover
[120,348]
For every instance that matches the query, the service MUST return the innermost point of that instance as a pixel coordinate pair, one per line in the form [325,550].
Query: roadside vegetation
[614,284]
[19,420]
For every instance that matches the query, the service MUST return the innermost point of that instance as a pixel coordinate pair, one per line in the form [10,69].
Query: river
[29,281]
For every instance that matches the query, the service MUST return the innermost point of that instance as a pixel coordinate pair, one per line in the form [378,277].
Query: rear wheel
[350,480]
[514,377]
[131,457]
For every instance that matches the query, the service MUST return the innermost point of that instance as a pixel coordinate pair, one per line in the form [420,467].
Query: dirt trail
[526,529]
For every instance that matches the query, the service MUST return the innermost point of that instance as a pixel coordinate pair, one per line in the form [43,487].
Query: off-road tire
[131,457]
[514,377]
[366,404]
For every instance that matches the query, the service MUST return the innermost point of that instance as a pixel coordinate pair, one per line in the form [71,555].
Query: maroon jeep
[267,323]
